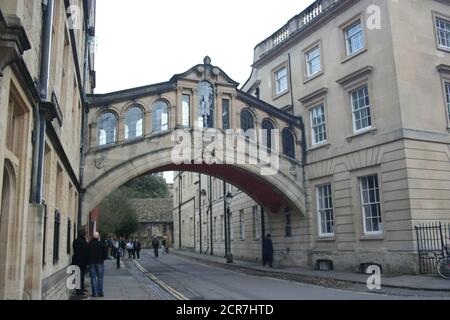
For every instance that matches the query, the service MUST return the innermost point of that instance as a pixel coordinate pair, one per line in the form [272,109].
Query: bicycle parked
[443,265]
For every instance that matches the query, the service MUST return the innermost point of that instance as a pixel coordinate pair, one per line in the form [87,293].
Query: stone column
[194,108]
[219,111]
[233,112]
[179,108]
[148,122]
[121,130]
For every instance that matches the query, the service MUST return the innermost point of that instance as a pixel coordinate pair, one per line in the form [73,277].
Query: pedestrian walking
[109,244]
[97,254]
[130,249]
[122,245]
[268,251]
[137,248]
[155,245]
[163,246]
[117,254]
[80,259]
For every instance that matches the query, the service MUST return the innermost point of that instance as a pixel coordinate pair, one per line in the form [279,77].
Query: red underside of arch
[261,191]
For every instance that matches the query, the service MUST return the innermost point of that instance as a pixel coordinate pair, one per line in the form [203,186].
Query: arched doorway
[8,208]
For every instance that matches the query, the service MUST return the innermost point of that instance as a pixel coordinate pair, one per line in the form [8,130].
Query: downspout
[211,217]
[84,133]
[40,123]
[290,83]
[200,210]
[225,213]
[180,199]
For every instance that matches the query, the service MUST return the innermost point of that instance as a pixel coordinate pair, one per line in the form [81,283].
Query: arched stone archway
[8,211]
[110,168]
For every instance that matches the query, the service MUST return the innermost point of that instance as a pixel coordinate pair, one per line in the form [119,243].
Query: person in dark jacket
[155,245]
[137,248]
[268,251]
[97,254]
[80,258]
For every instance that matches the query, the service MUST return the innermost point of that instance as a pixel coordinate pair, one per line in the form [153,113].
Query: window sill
[279,95]
[375,237]
[448,128]
[311,78]
[354,55]
[445,49]
[319,146]
[372,130]
[326,239]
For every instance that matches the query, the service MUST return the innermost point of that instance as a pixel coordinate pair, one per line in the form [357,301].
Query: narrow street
[197,281]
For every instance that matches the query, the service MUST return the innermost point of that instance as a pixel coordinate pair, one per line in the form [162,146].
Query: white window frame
[309,61]
[369,204]
[222,228]
[186,110]
[439,29]
[321,211]
[278,81]
[349,37]
[318,125]
[366,107]
[256,225]
[242,224]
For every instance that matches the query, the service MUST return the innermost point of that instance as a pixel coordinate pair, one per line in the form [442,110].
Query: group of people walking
[90,255]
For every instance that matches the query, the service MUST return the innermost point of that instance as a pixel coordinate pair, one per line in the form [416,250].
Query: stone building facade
[371,80]
[155,220]
[46,67]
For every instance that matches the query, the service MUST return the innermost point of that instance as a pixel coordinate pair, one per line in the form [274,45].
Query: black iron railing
[432,242]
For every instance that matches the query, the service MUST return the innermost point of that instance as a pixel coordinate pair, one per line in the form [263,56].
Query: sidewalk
[326,278]
[122,284]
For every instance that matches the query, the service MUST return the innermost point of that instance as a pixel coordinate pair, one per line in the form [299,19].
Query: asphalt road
[198,281]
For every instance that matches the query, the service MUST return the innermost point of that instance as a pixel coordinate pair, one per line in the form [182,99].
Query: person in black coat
[80,258]
[155,245]
[97,254]
[268,251]
[137,248]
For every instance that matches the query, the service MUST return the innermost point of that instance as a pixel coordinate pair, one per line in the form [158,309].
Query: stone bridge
[197,121]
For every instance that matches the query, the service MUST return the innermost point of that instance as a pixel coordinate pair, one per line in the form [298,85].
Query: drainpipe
[200,210]
[225,213]
[40,122]
[180,199]
[211,217]
[84,142]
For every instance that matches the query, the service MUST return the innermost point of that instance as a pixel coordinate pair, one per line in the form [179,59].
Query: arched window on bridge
[107,129]
[288,143]
[206,105]
[268,128]
[160,117]
[134,123]
[248,123]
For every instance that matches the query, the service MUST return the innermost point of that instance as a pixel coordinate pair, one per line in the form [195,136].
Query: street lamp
[228,199]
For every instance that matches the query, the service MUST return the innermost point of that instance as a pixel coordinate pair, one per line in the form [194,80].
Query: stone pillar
[233,112]
[194,108]
[33,254]
[172,117]
[179,108]
[219,111]
[148,122]
[120,130]
[94,135]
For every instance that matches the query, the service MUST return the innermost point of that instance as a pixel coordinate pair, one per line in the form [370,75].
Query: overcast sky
[140,42]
